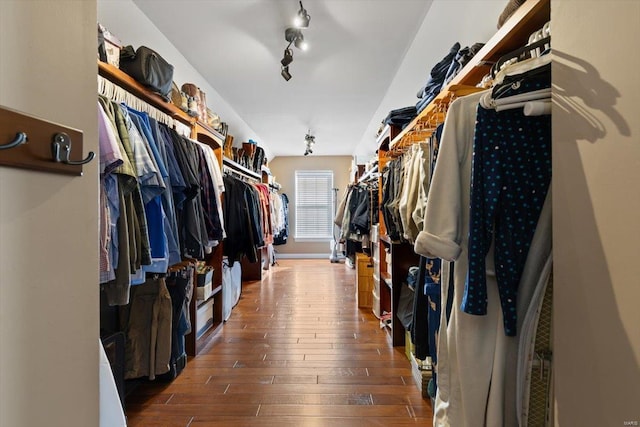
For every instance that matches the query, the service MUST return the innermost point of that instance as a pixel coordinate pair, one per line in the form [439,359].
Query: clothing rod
[230,164]
[239,173]
[523,97]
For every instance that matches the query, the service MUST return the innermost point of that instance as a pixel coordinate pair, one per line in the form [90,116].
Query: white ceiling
[340,88]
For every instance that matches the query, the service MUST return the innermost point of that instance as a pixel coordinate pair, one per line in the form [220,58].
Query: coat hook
[61,148]
[20,139]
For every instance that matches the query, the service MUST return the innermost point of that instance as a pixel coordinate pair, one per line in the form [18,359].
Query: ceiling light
[309,141]
[302,19]
[288,57]
[285,73]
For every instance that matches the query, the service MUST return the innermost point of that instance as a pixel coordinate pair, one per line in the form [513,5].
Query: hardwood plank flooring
[296,351]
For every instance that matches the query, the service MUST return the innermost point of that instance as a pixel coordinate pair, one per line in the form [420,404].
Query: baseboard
[281,255]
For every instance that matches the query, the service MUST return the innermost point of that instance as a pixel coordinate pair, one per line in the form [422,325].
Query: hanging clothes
[242,215]
[281,237]
[159,201]
[147,326]
[479,382]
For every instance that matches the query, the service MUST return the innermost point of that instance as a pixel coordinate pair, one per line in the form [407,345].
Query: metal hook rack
[38,144]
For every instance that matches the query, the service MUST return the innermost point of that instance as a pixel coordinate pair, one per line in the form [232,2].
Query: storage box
[205,275]
[112,47]
[204,292]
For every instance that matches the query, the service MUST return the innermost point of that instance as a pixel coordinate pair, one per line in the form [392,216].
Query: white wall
[596,196]
[126,21]
[49,325]
[447,22]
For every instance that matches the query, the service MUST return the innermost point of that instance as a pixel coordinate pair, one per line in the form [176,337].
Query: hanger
[529,59]
[118,94]
[524,52]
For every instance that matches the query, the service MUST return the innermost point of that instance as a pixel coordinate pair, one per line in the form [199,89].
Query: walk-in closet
[318,213]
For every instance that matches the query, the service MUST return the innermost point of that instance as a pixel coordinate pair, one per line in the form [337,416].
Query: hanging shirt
[151,187]
[216,178]
[126,244]
[110,159]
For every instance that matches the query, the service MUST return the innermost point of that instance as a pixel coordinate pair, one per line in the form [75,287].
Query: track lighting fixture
[294,36]
[285,73]
[309,141]
[288,57]
[303,18]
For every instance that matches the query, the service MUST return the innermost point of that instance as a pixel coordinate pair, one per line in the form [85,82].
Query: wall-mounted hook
[20,139]
[61,149]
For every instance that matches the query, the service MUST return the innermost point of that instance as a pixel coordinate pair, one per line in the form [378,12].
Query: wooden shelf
[213,135]
[531,16]
[387,135]
[216,290]
[201,302]
[128,83]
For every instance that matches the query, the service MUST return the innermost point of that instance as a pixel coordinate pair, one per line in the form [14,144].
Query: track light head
[300,43]
[294,35]
[302,19]
[288,57]
[285,73]
[291,34]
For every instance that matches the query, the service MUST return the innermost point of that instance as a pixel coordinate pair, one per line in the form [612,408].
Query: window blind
[314,205]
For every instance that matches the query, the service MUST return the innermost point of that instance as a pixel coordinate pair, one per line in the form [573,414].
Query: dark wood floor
[296,352]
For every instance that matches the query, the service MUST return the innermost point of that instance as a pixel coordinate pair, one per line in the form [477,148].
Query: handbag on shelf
[149,68]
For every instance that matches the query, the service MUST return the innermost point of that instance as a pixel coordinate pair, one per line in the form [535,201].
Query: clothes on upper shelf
[436,78]
[444,71]
[159,198]
[487,201]
[400,117]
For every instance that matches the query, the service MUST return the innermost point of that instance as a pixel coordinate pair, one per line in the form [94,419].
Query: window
[314,205]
